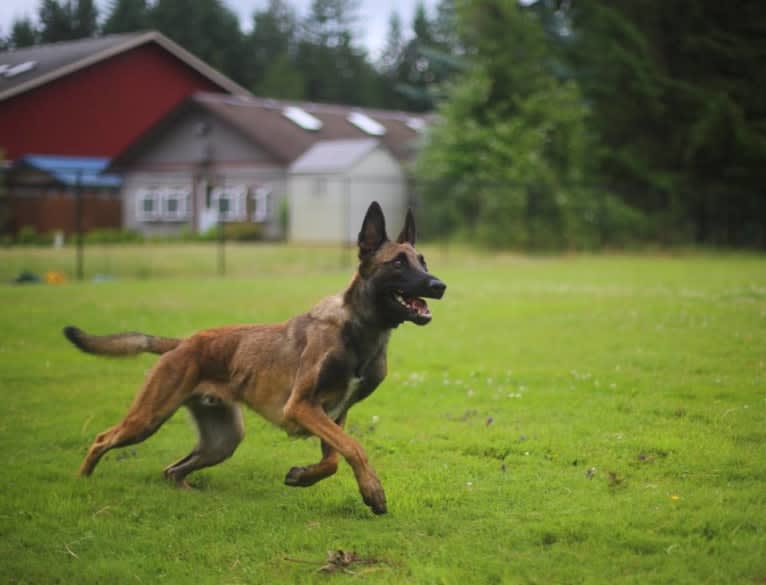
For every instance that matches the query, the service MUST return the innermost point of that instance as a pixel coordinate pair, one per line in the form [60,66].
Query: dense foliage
[597,123]
[561,123]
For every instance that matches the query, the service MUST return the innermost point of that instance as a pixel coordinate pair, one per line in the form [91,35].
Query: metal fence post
[221,240]
[78,224]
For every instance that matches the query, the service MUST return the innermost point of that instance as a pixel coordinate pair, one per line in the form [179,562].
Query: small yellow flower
[675,498]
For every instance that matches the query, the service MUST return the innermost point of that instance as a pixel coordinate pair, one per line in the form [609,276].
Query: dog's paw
[296,477]
[376,501]
[180,483]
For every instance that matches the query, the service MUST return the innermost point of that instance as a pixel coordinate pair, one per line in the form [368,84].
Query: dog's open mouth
[416,306]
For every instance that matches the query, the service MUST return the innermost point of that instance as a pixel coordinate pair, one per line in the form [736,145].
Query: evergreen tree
[23,34]
[67,20]
[127,16]
[389,63]
[271,49]
[677,95]
[57,21]
[394,46]
[334,68]
[445,27]
[506,164]
[330,23]
[421,25]
[206,28]
[428,59]
[282,79]
[85,17]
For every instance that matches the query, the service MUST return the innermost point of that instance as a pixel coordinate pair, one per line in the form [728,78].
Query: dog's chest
[337,407]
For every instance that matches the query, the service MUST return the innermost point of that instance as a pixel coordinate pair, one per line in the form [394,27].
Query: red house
[91,98]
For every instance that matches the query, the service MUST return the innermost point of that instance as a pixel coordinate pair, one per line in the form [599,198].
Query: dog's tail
[119,344]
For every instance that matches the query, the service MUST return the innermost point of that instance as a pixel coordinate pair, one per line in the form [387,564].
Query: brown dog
[302,375]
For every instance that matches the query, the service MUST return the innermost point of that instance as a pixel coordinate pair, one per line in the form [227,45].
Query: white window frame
[146,193]
[263,203]
[237,196]
[181,196]
[160,197]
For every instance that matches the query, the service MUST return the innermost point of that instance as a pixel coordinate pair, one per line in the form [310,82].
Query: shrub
[28,236]
[238,232]
[113,236]
[622,225]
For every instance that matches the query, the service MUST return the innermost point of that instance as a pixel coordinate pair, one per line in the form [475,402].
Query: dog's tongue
[419,305]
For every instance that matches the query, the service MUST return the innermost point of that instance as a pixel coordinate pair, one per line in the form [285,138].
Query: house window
[162,204]
[148,204]
[302,118]
[262,211]
[230,202]
[366,124]
[175,204]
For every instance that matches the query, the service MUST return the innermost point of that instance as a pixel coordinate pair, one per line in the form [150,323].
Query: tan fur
[293,374]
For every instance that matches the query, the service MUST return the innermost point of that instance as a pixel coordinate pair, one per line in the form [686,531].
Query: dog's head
[395,272]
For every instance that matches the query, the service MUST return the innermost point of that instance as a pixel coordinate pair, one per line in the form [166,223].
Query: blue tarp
[70,170]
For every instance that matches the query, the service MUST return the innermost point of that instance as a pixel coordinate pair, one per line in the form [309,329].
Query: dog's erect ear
[373,233]
[408,231]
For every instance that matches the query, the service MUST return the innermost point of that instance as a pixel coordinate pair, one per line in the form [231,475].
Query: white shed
[333,183]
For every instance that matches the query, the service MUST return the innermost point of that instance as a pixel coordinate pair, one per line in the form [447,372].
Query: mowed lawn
[585,419]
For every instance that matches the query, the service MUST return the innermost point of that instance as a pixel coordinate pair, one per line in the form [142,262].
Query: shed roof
[330,156]
[264,120]
[85,171]
[24,69]
[267,122]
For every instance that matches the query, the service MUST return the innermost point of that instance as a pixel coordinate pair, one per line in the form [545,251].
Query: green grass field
[562,420]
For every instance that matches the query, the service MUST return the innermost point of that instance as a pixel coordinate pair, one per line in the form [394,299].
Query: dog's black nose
[436,288]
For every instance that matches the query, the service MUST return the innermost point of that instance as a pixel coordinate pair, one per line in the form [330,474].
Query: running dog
[302,375]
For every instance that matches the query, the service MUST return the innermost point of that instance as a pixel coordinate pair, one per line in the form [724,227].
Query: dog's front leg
[311,474]
[314,419]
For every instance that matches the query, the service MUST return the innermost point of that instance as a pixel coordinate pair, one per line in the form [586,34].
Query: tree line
[560,123]
[318,56]
[584,123]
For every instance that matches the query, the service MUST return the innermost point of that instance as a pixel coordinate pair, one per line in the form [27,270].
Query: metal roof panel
[73,170]
[330,156]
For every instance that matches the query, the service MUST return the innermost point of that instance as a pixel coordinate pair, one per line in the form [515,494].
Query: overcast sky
[372,25]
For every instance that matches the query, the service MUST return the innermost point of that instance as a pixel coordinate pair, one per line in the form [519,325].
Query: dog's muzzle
[436,288]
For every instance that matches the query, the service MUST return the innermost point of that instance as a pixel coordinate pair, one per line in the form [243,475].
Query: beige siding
[182,144]
[378,177]
[378,163]
[316,208]
[135,182]
[330,208]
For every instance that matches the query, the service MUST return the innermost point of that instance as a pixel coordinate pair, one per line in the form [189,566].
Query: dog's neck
[364,331]
[359,301]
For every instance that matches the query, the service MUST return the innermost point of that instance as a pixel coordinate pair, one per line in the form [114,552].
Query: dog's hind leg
[166,388]
[311,474]
[220,429]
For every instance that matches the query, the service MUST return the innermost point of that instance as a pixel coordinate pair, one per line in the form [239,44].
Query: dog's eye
[399,261]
